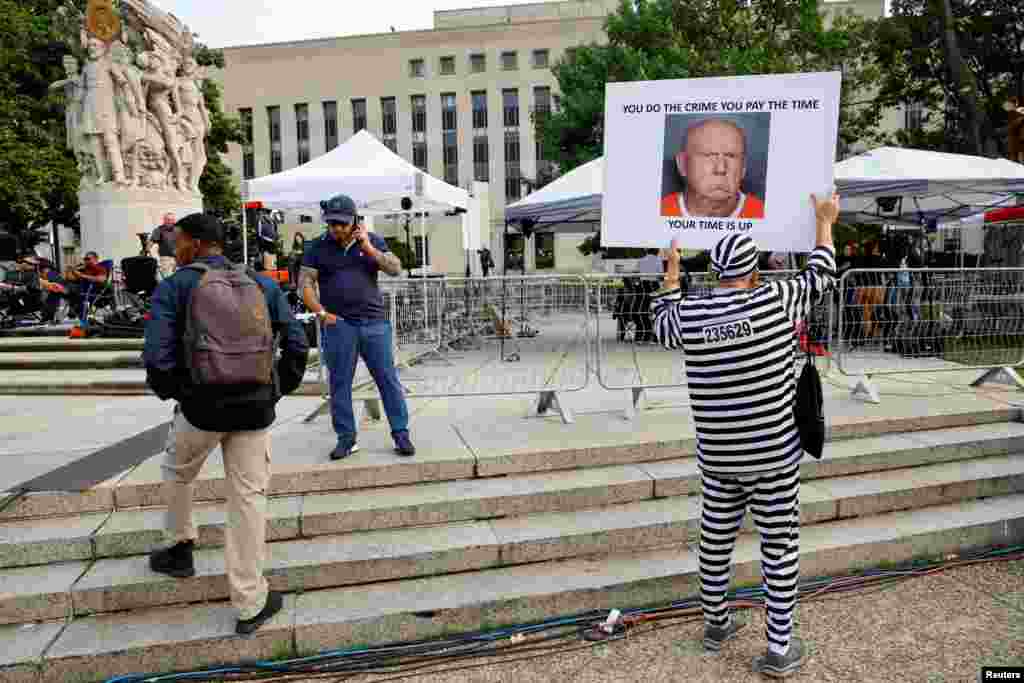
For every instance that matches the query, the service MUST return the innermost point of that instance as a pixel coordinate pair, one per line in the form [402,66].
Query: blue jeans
[344,343]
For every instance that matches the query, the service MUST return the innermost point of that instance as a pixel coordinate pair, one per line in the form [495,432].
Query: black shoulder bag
[809,408]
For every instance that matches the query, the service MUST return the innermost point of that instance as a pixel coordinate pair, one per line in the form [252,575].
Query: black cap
[339,209]
[203,227]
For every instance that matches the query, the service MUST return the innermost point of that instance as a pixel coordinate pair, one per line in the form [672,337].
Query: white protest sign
[702,158]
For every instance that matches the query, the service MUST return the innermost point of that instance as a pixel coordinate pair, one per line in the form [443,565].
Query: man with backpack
[210,345]
[740,342]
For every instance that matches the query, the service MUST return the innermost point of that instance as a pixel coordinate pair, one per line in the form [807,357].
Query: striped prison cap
[734,256]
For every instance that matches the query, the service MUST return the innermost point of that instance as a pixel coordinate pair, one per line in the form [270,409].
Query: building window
[419,113]
[449,113]
[544,250]
[305,219]
[513,173]
[914,116]
[447,66]
[510,60]
[248,157]
[302,131]
[330,125]
[479,108]
[419,155]
[358,115]
[422,256]
[391,143]
[274,122]
[540,59]
[481,159]
[245,116]
[417,68]
[478,63]
[302,123]
[542,100]
[510,102]
[389,112]
[450,150]
[274,125]
[515,246]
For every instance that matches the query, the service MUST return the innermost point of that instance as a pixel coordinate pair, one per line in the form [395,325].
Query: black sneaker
[715,636]
[403,444]
[341,451]
[175,561]
[780,666]
[274,604]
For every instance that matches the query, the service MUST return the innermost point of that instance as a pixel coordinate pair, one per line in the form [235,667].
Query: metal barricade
[896,321]
[511,335]
[626,354]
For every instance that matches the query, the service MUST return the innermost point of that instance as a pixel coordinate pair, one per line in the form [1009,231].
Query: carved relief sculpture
[99,117]
[136,119]
[195,119]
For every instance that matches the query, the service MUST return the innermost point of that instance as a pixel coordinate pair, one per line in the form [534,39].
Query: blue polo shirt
[348,277]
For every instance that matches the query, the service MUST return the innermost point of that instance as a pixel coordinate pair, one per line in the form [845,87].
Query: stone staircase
[489,525]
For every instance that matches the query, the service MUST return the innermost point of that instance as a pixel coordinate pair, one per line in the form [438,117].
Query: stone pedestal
[112,217]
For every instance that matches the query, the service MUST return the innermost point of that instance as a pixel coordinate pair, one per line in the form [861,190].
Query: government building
[458,101]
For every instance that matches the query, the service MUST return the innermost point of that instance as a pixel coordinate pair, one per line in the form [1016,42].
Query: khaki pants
[247,471]
[168,264]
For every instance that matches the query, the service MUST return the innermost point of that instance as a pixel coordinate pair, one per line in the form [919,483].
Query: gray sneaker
[715,637]
[780,666]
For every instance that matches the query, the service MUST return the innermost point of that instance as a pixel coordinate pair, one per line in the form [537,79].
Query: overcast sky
[223,23]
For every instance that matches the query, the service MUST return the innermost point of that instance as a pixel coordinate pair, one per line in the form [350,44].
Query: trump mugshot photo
[715,166]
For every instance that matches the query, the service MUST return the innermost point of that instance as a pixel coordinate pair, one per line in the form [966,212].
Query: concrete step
[301,465]
[58,344]
[308,563]
[186,637]
[57,360]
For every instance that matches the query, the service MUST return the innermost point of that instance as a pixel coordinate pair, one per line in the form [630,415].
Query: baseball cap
[339,209]
[203,227]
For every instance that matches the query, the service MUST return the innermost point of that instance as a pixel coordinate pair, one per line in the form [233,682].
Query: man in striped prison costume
[740,344]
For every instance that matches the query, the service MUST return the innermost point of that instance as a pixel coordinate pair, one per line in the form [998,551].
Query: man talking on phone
[344,263]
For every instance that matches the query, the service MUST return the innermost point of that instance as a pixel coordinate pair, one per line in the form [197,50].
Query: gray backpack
[228,335]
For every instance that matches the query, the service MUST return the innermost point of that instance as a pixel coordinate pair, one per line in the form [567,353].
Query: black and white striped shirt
[740,347]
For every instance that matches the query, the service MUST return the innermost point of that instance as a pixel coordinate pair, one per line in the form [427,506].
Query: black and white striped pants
[773,498]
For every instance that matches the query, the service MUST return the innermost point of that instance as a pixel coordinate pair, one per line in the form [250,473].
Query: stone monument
[136,121]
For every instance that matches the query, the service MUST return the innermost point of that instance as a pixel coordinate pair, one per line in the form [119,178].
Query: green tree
[38,174]
[960,59]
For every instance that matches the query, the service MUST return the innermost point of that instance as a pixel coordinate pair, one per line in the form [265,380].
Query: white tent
[572,203]
[911,187]
[364,169]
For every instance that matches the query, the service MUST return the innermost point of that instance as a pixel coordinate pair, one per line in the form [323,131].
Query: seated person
[712,162]
[77,280]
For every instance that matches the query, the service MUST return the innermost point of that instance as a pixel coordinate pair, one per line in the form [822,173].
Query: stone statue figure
[195,119]
[161,96]
[72,89]
[100,80]
[131,110]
